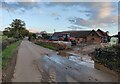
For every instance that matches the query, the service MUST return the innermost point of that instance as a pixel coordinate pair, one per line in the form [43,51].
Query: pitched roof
[73,33]
[96,33]
[102,33]
[81,34]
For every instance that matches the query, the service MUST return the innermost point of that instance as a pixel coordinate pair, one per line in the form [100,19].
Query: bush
[7,42]
[11,40]
[109,57]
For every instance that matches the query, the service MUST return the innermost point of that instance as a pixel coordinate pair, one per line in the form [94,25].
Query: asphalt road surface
[38,64]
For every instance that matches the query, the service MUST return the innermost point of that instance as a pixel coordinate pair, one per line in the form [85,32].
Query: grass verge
[7,53]
[46,45]
[3,37]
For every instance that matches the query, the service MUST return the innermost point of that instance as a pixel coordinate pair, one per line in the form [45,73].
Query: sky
[61,15]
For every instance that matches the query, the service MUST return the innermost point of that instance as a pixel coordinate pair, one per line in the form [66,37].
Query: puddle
[82,61]
[74,58]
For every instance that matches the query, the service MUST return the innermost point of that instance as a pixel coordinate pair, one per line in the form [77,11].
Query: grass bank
[46,45]
[109,57]
[51,45]
[3,37]
[7,53]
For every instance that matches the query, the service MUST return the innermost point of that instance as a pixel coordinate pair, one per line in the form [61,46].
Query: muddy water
[67,70]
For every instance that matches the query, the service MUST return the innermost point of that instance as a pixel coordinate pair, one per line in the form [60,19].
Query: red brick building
[86,36]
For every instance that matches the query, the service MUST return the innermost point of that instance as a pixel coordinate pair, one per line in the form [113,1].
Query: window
[92,34]
[93,39]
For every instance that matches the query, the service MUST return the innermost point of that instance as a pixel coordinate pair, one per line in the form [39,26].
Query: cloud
[21,0]
[85,11]
[100,15]
[64,4]
[56,15]
[95,23]
[81,0]
[119,20]
[80,21]
[97,9]
[33,30]
[75,27]
[119,7]
[60,0]
[19,6]
[103,10]
[28,0]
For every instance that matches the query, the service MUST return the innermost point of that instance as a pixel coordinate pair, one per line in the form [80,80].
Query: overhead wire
[7,8]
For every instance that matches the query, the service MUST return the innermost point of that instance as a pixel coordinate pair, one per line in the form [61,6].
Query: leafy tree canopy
[17,29]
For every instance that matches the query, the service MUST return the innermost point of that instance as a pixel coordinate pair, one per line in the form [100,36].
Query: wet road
[65,70]
[38,64]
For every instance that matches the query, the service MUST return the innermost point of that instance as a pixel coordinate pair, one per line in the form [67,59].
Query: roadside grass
[3,37]
[7,53]
[46,45]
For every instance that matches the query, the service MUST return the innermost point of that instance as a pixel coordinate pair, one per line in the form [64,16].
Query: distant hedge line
[7,42]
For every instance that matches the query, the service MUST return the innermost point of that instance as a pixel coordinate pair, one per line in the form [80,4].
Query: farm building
[86,36]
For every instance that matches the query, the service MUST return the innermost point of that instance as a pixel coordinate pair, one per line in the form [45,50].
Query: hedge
[7,42]
[109,57]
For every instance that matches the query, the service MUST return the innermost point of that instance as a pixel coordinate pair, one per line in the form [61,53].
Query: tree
[17,29]
[34,35]
[31,36]
[18,25]
[45,35]
[23,32]
[8,32]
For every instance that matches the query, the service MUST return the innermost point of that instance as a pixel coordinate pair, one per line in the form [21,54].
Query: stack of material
[114,41]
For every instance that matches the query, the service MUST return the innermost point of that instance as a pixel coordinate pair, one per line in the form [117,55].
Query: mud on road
[38,64]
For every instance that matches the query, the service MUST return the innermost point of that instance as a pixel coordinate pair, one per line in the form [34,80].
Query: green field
[7,53]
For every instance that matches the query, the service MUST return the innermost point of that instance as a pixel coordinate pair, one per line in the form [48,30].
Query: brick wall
[93,37]
[79,40]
